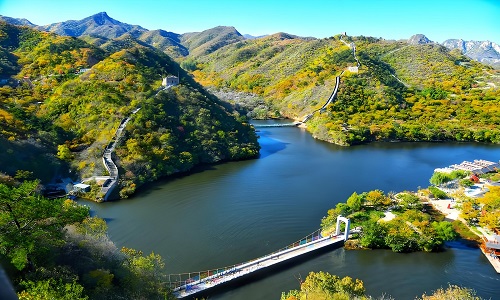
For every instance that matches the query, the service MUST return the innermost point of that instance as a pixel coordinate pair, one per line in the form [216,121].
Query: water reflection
[269,145]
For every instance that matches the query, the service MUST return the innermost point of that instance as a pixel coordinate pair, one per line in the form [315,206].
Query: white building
[352,69]
[491,166]
[170,81]
[81,187]
[477,167]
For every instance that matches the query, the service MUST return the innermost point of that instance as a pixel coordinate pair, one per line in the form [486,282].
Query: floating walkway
[294,124]
[189,284]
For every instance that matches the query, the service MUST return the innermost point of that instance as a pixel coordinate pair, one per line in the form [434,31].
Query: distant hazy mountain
[286,36]
[208,41]
[483,51]
[252,37]
[419,39]
[97,25]
[16,21]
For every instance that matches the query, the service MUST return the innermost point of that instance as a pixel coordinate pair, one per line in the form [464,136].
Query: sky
[390,19]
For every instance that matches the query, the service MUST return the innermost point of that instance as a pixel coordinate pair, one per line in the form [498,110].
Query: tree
[146,279]
[31,224]
[444,231]
[491,220]
[323,285]
[401,237]
[51,289]
[329,221]
[466,182]
[355,202]
[63,152]
[409,201]
[469,213]
[439,178]
[23,175]
[377,198]
[453,292]
[373,235]
[434,236]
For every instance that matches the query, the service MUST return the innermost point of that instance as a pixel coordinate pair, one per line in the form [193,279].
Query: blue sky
[390,19]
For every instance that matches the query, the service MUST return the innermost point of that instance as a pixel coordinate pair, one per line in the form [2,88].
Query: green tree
[444,231]
[373,235]
[439,178]
[401,237]
[63,152]
[51,289]
[409,201]
[377,198]
[355,202]
[147,277]
[323,285]
[31,224]
[466,182]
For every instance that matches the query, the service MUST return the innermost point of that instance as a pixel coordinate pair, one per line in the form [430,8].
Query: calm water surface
[229,213]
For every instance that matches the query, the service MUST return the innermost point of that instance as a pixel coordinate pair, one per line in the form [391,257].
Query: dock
[494,260]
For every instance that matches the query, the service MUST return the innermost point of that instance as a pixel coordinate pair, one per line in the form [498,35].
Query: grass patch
[465,232]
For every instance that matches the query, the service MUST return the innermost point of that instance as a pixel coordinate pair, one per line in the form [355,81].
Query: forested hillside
[69,97]
[401,92]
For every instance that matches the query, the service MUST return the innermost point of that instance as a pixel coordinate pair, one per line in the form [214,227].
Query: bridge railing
[184,280]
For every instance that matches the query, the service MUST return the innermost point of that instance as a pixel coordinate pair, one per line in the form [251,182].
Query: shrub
[437,193]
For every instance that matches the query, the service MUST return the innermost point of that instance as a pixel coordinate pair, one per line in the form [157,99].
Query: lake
[225,214]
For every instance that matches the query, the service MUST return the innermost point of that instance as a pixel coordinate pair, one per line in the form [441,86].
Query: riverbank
[449,209]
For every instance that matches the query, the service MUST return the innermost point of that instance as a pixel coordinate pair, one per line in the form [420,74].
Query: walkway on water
[189,284]
[277,125]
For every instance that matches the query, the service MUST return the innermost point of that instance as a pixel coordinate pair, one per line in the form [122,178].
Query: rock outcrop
[419,39]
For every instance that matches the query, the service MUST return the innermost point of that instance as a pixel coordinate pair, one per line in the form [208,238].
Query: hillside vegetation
[71,96]
[401,92]
[208,41]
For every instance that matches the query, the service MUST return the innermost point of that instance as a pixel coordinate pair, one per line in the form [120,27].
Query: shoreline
[451,214]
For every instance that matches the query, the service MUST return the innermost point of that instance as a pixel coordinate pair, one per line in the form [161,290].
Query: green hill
[167,42]
[57,104]
[208,41]
[401,92]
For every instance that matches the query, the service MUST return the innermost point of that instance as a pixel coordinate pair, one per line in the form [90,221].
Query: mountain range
[100,28]
[70,93]
[483,51]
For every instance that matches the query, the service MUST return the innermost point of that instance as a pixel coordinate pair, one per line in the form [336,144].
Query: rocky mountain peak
[483,51]
[16,21]
[419,39]
[102,18]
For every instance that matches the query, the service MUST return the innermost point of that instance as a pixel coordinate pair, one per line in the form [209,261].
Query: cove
[233,212]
